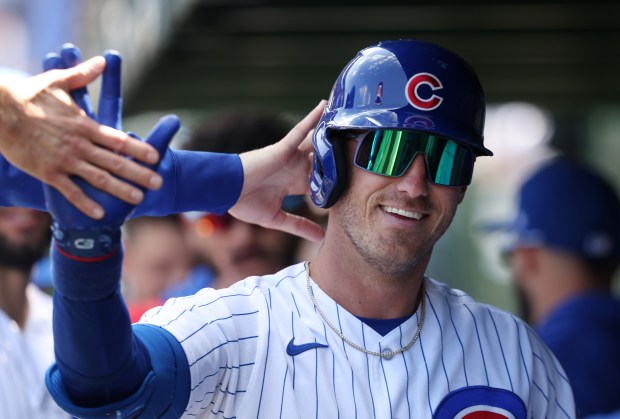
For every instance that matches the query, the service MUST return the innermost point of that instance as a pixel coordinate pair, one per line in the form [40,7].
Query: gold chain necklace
[385,354]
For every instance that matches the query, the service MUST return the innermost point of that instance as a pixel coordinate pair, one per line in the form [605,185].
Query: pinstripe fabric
[235,340]
[25,355]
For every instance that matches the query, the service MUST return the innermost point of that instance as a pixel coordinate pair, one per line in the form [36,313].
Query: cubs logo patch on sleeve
[481,403]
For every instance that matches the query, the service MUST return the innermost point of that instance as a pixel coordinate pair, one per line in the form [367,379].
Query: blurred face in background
[24,237]
[156,256]
[236,249]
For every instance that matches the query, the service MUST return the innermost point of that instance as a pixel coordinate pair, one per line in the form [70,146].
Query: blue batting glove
[110,99]
[77,234]
[109,113]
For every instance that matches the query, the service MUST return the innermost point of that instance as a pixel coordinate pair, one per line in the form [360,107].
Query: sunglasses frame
[359,138]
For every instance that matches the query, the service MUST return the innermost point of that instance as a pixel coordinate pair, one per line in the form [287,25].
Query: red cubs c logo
[481,402]
[484,412]
[413,96]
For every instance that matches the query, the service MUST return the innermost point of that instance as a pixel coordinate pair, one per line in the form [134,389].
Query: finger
[82,74]
[110,102]
[78,198]
[298,225]
[162,134]
[306,145]
[105,182]
[125,169]
[125,144]
[300,131]
[52,61]
[70,56]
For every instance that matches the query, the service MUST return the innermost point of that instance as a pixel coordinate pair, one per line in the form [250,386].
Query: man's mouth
[402,212]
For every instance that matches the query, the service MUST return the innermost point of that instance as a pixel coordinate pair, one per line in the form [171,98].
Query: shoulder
[496,342]
[244,298]
[285,280]
[456,309]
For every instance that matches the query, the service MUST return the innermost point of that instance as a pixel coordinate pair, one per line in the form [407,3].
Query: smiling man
[359,331]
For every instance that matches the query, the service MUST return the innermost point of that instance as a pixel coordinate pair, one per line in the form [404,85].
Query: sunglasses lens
[390,153]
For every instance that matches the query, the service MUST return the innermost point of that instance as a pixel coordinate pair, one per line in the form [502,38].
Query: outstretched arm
[193,180]
[103,366]
[202,181]
[45,134]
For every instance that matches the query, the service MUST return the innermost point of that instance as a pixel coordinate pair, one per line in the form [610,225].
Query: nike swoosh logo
[294,350]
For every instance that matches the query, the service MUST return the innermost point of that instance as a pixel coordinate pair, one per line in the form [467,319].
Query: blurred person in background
[226,248]
[26,341]
[156,257]
[564,254]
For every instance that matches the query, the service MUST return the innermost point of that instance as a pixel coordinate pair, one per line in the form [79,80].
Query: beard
[22,257]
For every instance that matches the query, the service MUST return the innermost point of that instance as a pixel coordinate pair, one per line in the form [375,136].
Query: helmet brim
[397,119]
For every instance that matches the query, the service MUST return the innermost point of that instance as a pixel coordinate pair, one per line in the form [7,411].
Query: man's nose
[414,180]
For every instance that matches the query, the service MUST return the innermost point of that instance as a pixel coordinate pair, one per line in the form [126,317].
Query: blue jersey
[588,324]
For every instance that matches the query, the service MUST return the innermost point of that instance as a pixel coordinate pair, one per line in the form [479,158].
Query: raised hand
[106,168]
[44,133]
[274,172]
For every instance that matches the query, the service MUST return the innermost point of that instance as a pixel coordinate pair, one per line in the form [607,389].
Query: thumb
[161,135]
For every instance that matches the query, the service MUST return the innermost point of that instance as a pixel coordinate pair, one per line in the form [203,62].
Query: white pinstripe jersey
[24,357]
[470,357]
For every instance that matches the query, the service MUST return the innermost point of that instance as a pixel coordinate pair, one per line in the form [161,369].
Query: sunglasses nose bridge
[412,161]
[413,173]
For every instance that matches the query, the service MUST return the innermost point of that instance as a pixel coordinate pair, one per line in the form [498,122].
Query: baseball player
[358,332]
[564,253]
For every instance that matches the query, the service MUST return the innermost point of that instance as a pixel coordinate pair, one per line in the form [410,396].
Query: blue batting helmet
[403,84]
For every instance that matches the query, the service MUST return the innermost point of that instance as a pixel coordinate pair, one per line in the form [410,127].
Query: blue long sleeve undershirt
[101,359]
[193,181]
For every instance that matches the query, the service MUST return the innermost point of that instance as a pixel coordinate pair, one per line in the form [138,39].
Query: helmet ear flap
[329,176]
[342,173]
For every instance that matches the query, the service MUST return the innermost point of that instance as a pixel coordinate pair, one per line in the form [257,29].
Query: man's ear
[462,190]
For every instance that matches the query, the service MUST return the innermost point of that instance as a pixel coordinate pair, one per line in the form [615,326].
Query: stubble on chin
[393,253]
[387,255]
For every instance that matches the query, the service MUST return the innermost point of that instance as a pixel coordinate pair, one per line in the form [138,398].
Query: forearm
[105,367]
[193,181]
[97,355]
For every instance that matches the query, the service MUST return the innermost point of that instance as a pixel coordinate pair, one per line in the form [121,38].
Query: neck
[361,288]
[560,278]
[13,298]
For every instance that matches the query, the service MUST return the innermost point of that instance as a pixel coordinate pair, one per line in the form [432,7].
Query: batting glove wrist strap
[86,244]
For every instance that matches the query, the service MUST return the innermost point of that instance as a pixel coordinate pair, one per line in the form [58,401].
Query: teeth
[408,214]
